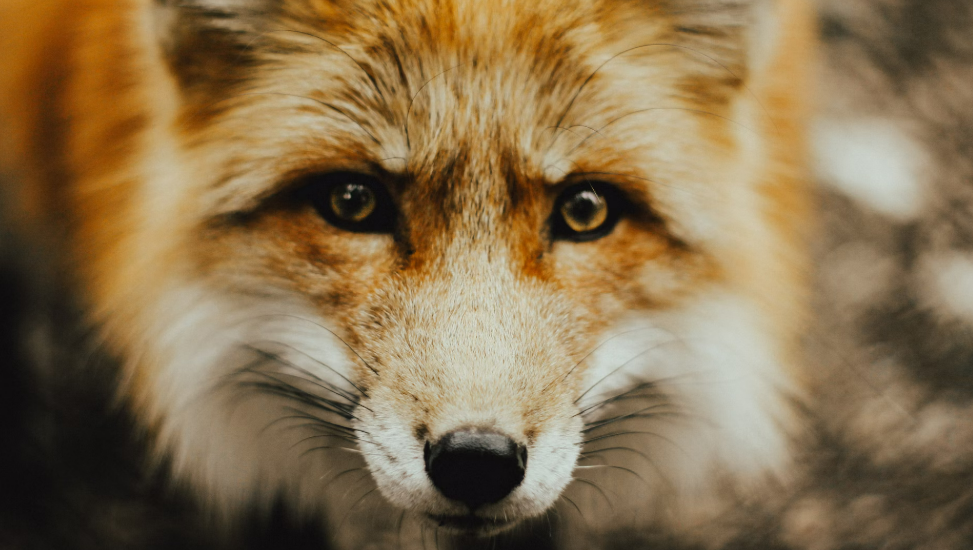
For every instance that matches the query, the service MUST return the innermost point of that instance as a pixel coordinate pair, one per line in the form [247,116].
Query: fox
[433,271]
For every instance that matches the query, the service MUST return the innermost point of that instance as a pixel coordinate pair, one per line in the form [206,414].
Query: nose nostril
[475,467]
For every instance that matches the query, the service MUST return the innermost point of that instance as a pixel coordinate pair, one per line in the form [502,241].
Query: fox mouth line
[471,524]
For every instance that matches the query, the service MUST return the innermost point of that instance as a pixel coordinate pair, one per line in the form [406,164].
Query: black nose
[475,467]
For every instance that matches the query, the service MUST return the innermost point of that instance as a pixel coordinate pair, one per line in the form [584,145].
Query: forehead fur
[412,87]
[212,41]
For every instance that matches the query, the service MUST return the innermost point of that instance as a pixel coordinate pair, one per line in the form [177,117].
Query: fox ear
[207,42]
[738,34]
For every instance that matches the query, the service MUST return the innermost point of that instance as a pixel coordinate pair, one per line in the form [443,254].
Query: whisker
[634,432]
[567,129]
[412,101]
[321,436]
[659,45]
[591,454]
[271,380]
[282,390]
[313,359]
[319,430]
[575,506]
[594,453]
[326,447]
[630,393]
[353,506]
[344,473]
[597,488]
[596,348]
[325,423]
[367,73]
[399,527]
[625,364]
[643,413]
[332,333]
[584,84]
[611,467]
[651,109]
[316,379]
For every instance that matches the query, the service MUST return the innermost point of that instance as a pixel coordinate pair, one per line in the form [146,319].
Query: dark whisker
[325,447]
[367,73]
[282,389]
[640,111]
[346,472]
[596,348]
[324,423]
[313,423]
[332,333]
[322,436]
[575,506]
[634,432]
[591,454]
[317,380]
[317,362]
[631,393]
[625,364]
[320,429]
[643,413]
[584,84]
[566,129]
[350,400]
[408,113]
[613,467]
[597,488]
[399,527]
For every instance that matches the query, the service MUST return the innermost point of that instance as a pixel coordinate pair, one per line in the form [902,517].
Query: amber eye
[350,201]
[586,211]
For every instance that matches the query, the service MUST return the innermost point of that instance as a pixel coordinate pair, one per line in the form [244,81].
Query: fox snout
[470,417]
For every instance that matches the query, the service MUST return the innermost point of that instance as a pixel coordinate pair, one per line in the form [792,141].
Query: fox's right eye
[351,201]
[587,211]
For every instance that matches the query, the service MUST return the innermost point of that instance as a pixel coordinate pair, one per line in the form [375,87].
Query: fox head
[470,259]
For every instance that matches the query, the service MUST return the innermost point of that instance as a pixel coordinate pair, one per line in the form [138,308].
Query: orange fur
[164,173]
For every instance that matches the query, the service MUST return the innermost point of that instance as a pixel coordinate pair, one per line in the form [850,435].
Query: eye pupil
[585,210]
[352,202]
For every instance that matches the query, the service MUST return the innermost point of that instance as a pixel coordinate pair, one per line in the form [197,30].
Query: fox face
[465,259]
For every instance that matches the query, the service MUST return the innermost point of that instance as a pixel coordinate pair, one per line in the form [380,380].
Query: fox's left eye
[351,201]
[586,212]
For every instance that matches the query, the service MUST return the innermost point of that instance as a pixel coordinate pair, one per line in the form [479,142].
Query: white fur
[229,440]
[405,483]
[710,358]
[721,372]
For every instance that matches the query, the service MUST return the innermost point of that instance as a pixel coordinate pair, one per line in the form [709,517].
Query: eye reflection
[584,210]
[352,202]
